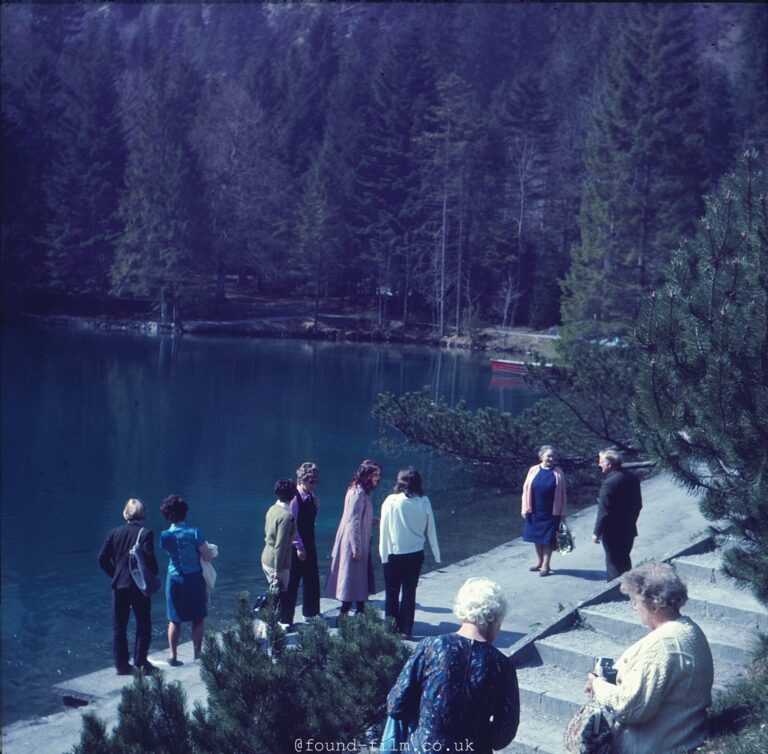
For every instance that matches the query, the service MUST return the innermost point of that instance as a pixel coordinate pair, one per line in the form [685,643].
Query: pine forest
[529,164]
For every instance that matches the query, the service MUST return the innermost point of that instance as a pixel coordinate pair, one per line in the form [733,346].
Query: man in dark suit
[619,504]
[113,559]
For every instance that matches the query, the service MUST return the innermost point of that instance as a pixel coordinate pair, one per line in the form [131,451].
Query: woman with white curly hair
[664,682]
[457,691]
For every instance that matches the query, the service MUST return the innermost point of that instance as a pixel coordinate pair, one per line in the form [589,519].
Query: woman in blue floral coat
[458,689]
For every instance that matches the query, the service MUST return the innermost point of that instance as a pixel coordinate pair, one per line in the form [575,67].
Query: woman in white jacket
[664,682]
[406,521]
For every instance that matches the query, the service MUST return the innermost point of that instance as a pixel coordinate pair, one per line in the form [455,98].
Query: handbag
[589,731]
[394,737]
[565,542]
[209,572]
[147,582]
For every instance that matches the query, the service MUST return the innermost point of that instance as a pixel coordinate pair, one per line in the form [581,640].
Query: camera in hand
[604,667]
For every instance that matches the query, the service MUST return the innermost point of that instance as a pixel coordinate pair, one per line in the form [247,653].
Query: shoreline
[338,328]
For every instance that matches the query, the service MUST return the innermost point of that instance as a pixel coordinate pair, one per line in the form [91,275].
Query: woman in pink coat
[544,506]
[351,576]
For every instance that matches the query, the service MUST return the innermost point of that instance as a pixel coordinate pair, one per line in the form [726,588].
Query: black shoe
[147,668]
[174,663]
[125,670]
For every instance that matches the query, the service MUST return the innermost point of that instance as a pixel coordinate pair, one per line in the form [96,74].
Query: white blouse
[405,524]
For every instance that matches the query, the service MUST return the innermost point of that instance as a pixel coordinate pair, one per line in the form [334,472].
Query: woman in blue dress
[185,592]
[544,506]
[457,692]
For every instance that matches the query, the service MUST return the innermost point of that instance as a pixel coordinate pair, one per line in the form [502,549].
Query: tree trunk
[443,243]
[460,257]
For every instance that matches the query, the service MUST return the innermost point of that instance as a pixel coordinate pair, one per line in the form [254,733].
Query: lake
[91,419]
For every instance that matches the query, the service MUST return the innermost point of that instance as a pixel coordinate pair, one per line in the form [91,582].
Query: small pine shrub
[152,719]
[94,738]
[739,716]
[262,694]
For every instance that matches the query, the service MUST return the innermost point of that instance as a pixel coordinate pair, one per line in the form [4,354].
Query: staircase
[552,667]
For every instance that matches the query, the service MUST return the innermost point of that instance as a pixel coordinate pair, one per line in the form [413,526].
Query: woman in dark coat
[126,596]
[457,691]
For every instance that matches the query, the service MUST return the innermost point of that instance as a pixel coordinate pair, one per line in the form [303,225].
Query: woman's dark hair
[285,489]
[364,476]
[409,481]
[174,509]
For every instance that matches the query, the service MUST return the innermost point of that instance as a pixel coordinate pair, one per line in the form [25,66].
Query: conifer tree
[309,68]
[524,115]
[33,37]
[163,251]
[702,402]
[245,186]
[312,259]
[84,182]
[646,168]
[444,149]
[404,90]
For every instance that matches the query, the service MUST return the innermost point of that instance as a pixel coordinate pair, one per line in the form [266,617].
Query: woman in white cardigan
[664,682]
[406,521]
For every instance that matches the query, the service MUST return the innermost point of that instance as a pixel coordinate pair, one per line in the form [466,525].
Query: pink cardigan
[559,507]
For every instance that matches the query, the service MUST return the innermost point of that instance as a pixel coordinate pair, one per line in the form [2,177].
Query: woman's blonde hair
[134,510]
[481,602]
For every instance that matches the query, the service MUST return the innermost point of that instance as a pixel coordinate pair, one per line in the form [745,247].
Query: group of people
[185,589]
[618,507]
[289,557]
[457,692]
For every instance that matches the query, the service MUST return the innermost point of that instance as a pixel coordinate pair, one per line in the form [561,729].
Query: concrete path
[670,520]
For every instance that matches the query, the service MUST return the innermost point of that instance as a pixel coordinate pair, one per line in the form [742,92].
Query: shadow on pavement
[580,573]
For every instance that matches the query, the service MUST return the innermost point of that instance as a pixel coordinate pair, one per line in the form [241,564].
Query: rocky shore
[359,328]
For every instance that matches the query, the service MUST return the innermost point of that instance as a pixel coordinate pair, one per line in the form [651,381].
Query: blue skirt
[186,597]
[541,529]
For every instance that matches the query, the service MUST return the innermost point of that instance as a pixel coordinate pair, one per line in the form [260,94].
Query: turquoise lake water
[91,419]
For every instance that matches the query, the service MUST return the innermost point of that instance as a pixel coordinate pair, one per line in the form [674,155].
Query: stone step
[538,735]
[725,600]
[703,568]
[550,691]
[731,642]
[578,649]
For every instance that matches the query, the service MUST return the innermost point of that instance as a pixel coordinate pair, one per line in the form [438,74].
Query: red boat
[505,366]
